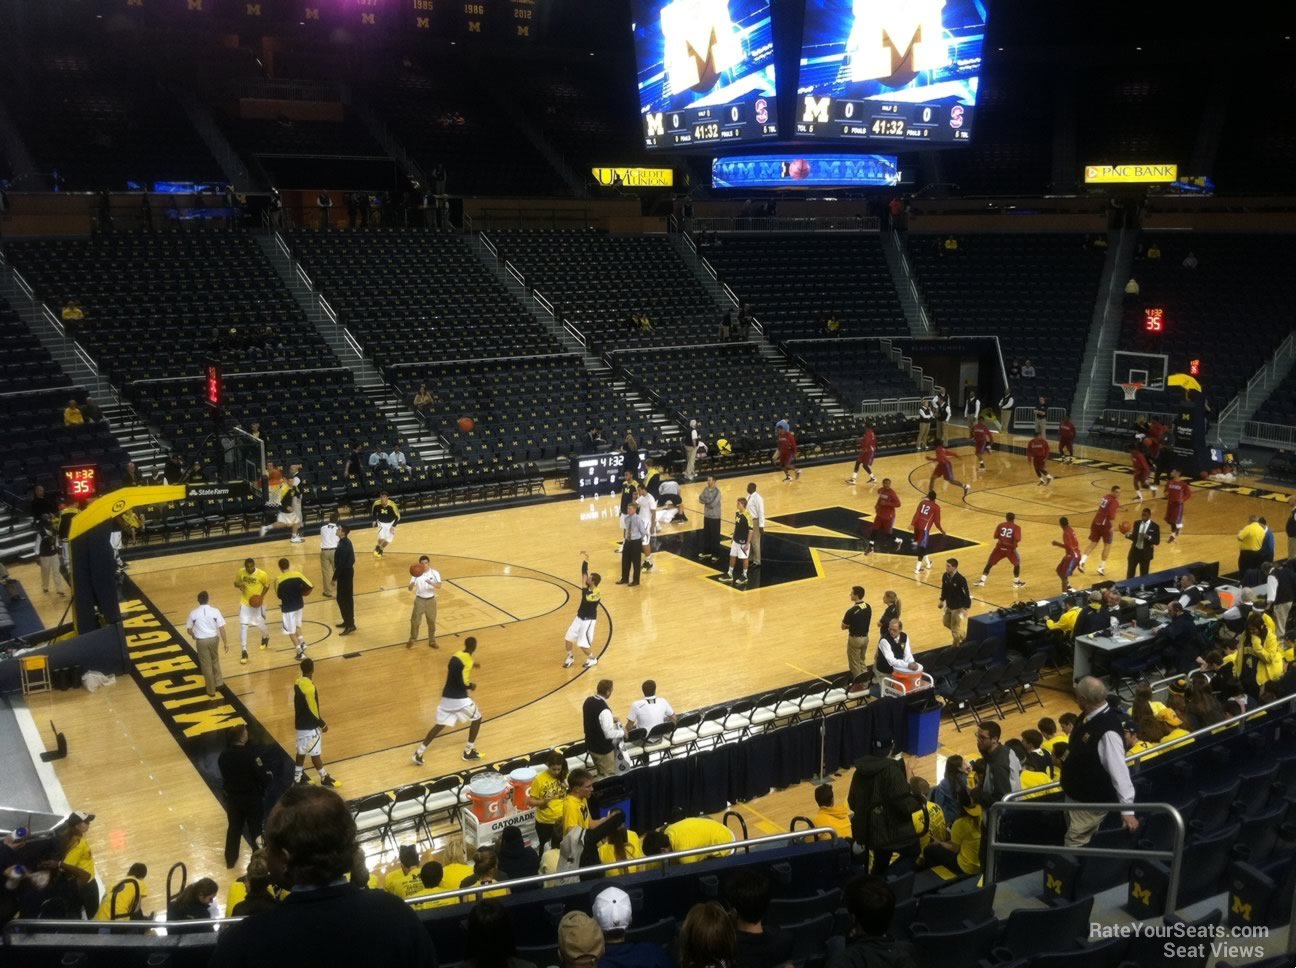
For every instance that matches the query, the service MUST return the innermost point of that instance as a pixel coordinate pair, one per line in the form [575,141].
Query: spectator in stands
[726,326]
[690,833]
[871,904]
[324,202]
[1014,370]
[998,772]
[1154,251]
[404,880]
[1190,260]
[747,893]
[72,311]
[423,401]
[77,865]
[945,793]
[310,839]
[488,937]
[707,938]
[830,813]
[1250,544]
[929,819]
[396,459]
[1095,769]
[90,411]
[194,903]
[439,177]
[961,852]
[948,244]
[1280,592]
[613,915]
[1103,612]
[594,441]
[378,457]
[1259,655]
[1268,544]
[48,890]
[125,899]
[47,553]
[486,871]
[355,463]
[1037,758]
[259,897]
[1201,707]
[580,940]
[833,326]
[650,711]
[72,415]
[1028,370]
[1131,289]
[516,859]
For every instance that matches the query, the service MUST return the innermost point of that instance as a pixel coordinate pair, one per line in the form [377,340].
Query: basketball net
[1131,389]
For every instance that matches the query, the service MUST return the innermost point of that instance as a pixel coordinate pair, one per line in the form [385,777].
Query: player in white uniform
[648,514]
[252,582]
[581,630]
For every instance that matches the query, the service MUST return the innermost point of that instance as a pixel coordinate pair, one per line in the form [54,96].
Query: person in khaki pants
[207,625]
[425,585]
[856,624]
[755,511]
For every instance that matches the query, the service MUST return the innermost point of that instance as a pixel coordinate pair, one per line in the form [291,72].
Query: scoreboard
[854,120]
[600,473]
[730,123]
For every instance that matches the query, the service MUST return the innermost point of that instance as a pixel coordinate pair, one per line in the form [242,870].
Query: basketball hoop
[1131,389]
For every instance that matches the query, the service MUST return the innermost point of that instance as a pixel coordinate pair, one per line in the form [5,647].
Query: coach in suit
[344,577]
[1143,539]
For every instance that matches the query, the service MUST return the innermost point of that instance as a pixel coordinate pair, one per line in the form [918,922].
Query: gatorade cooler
[488,796]
[910,680]
[520,780]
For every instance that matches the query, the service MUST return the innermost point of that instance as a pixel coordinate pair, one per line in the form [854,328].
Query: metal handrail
[39,926]
[1174,855]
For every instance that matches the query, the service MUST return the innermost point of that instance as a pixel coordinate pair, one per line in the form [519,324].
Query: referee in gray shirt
[632,548]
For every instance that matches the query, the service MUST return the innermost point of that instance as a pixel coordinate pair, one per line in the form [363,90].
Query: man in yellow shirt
[830,814]
[73,417]
[547,793]
[406,880]
[691,833]
[1250,540]
[252,584]
[129,900]
[575,809]
[79,861]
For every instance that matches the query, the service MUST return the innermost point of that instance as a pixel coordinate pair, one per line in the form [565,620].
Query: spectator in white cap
[613,914]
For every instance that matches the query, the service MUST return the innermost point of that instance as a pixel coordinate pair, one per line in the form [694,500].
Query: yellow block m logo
[194,4]
[254,9]
[1141,894]
[1053,884]
[1241,908]
[312,13]
[423,23]
[816,109]
[367,18]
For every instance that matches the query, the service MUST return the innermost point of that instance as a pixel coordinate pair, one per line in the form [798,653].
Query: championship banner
[636,177]
[1133,174]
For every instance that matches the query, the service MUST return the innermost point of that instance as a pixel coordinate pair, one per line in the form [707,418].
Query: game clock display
[890,70]
[706,71]
[81,483]
[600,473]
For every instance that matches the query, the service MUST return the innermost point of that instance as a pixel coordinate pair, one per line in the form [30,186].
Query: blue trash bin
[922,729]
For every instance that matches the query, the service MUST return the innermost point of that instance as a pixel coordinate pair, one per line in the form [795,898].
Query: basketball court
[511,580]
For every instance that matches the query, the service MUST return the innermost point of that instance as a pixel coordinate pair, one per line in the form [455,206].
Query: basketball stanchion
[822,775]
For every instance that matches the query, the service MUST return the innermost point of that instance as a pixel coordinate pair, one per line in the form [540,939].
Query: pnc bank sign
[1130,174]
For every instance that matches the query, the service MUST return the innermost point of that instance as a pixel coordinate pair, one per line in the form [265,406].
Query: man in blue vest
[1094,770]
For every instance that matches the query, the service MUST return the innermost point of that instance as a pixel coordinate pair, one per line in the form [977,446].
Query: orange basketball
[417,569]
[255,601]
[466,424]
[1126,527]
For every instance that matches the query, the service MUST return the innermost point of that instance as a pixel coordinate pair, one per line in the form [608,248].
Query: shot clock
[81,482]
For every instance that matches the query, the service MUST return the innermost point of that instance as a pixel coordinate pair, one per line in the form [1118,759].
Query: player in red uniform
[787,454]
[1101,529]
[864,451]
[1066,440]
[1070,546]
[944,468]
[926,516]
[884,515]
[1178,493]
[1140,469]
[1037,452]
[982,438]
[1007,538]
[1157,451]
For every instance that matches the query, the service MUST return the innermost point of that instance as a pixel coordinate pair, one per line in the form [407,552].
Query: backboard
[1149,369]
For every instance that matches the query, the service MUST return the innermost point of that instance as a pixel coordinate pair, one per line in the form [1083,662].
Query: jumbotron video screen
[890,70]
[706,71]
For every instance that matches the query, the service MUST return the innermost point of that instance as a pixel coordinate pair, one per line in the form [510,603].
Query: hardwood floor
[511,580]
